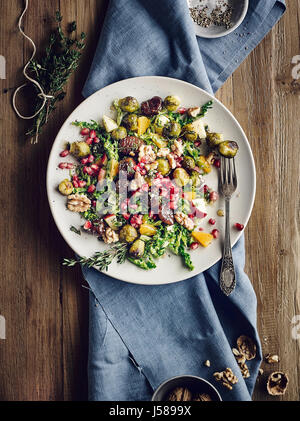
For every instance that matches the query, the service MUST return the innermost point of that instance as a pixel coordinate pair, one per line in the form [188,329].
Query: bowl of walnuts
[186,389]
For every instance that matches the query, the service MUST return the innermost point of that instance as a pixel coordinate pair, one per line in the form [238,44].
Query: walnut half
[78,203]
[277,383]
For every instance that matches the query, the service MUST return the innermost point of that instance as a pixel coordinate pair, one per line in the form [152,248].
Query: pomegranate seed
[194,246]
[172,205]
[205,188]
[126,216]
[214,196]
[95,168]
[198,143]
[63,165]
[94,203]
[151,214]
[91,189]
[75,178]
[84,161]
[65,153]
[70,167]
[239,227]
[201,229]
[91,159]
[85,132]
[89,141]
[96,140]
[215,233]
[182,110]
[81,184]
[217,163]
[88,170]
[93,134]
[75,184]
[212,221]
[88,225]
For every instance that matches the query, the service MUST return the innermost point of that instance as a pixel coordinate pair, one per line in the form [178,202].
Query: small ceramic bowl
[193,383]
[240,8]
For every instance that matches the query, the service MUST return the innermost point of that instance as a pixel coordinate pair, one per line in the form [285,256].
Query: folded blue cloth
[143,335]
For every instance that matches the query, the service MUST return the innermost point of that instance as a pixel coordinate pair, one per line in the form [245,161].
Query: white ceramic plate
[240,8]
[170,268]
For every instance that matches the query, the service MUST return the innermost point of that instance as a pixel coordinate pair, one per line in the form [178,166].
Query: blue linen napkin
[143,335]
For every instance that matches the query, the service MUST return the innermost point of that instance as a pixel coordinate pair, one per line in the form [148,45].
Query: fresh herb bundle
[54,69]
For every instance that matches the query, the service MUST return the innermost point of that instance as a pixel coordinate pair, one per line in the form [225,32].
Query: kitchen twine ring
[42,93]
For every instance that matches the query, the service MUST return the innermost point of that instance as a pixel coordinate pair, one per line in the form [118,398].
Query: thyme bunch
[54,68]
[101,260]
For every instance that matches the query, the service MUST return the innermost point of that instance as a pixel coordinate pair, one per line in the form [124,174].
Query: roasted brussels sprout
[128,234]
[181,177]
[129,104]
[188,163]
[127,165]
[131,122]
[66,188]
[119,133]
[172,130]
[80,149]
[130,145]
[196,179]
[214,139]
[172,103]
[163,166]
[189,133]
[137,249]
[160,122]
[229,149]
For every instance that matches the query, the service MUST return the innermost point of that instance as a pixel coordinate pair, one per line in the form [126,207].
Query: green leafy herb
[54,69]
[75,230]
[101,260]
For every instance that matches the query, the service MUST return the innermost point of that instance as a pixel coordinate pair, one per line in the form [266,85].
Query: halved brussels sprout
[190,133]
[188,163]
[160,123]
[196,179]
[66,187]
[229,149]
[129,104]
[172,130]
[172,103]
[163,166]
[80,149]
[131,122]
[214,139]
[181,177]
[137,249]
[128,234]
[119,133]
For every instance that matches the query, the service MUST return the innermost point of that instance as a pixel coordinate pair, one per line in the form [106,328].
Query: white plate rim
[166,79]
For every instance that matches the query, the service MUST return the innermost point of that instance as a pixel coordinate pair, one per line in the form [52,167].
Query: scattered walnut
[207,363]
[151,167]
[193,112]
[177,148]
[277,383]
[110,236]
[272,359]
[163,152]
[172,161]
[185,221]
[241,360]
[203,397]
[147,154]
[180,394]
[260,371]
[78,203]
[227,378]
[247,347]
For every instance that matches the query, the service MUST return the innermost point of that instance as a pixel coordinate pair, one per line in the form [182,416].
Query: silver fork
[228,185]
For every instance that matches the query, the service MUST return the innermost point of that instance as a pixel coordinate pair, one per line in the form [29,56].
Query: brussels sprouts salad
[139,181]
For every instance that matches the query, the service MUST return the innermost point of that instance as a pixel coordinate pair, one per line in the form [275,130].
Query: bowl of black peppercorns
[186,389]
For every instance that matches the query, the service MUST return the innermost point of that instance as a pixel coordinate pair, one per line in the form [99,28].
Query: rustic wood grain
[45,354]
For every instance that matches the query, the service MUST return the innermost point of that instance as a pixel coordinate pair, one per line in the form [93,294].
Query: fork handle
[227,275]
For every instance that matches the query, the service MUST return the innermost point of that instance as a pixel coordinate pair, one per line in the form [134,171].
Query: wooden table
[46,309]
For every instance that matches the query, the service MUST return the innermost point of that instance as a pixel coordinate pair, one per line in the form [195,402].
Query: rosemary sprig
[101,260]
[54,69]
